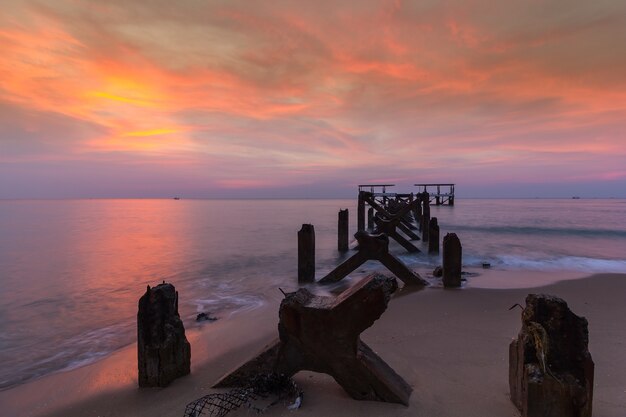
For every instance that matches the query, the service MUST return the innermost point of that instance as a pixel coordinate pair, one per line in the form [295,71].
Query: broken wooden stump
[306,254]
[343,228]
[321,334]
[452,260]
[433,238]
[163,352]
[373,247]
[550,368]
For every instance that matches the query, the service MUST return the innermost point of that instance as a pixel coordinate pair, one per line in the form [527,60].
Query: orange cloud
[298,90]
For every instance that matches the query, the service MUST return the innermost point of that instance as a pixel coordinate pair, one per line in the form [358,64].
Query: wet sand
[451,346]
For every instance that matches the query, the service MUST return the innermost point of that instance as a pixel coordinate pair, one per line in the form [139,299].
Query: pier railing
[440,194]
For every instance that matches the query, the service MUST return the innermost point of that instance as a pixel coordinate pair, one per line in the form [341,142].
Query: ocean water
[72,271]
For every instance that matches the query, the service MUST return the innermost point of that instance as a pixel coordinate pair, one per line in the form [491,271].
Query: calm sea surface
[71,271]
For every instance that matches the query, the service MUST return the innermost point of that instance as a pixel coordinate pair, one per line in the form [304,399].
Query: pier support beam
[360,214]
[342,231]
[306,254]
[388,227]
[394,220]
[417,211]
[374,247]
[433,236]
[425,215]
[370,218]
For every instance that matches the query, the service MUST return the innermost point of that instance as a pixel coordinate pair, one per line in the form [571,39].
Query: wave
[73,353]
[562,263]
[229,303]
[536,230]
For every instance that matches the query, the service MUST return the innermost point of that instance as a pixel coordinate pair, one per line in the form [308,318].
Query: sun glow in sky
[300,98]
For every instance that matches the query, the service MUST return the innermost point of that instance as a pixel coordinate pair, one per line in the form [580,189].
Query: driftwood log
[321,334]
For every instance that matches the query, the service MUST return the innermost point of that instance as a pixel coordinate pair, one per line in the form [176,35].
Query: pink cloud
[298,93]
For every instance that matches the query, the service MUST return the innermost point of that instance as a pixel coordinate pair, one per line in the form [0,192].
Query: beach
[451,346]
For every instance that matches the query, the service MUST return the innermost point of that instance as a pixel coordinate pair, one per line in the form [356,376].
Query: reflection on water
[73,270]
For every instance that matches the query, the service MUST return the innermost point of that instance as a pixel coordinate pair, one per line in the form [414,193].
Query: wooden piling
[343,231]
[425,216]
[433,236]
[417,213]
[306,254]
[360,213]
[452,260]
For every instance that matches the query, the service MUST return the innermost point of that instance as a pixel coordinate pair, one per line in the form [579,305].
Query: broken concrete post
[433,238]
[425,216]
[452,260]
[163,351]
[360,212]
[321,334]
[550,368]
[370,218]
[306,254]
[342,227]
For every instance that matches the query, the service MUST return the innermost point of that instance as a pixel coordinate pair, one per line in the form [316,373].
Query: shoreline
[450,345]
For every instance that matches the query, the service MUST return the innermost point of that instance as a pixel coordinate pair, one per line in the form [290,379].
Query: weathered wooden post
[550,367]
[370,218]
[418,211]
[451,198]
[433,236]
[306,254]
[452,260]
[343,231]
[163,352]
[425,216]
[360,213]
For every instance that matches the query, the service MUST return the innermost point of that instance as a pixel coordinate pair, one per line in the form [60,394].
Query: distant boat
[575,198]
[176,198]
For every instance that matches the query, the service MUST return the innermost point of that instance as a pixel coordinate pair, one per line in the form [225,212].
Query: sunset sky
[309,98]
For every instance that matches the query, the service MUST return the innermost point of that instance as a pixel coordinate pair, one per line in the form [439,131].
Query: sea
[72,271]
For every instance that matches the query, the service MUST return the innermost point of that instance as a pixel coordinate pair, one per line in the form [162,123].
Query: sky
[212,99]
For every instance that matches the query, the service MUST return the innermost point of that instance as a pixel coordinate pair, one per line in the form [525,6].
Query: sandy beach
[451,346]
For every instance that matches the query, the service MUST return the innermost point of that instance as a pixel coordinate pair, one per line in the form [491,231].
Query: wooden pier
[438,197]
